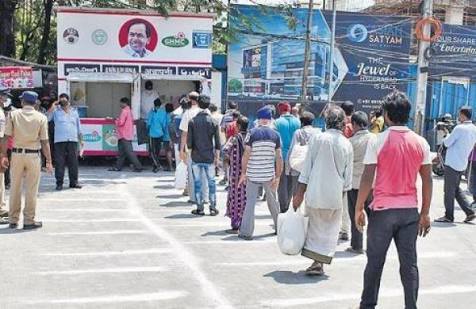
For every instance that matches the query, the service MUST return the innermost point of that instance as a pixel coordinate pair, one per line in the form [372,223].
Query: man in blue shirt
[157,124]
[459,145]
[286,125]
[67,136]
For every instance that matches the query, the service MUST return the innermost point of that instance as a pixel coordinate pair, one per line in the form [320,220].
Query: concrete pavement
[128,240]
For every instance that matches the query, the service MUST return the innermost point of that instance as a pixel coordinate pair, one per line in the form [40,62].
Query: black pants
[155,144]
[401,225]
[356,240]
[126,152]
[66,155]
[286,188]
[452,191]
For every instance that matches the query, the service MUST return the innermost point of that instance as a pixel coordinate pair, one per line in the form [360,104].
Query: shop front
[135,54]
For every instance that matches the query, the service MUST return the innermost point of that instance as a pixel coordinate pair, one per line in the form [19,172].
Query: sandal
[198,212]
[114,169]
[214,212]
[315,269]
[444,220]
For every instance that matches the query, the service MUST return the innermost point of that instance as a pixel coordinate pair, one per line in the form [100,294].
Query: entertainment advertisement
[265,65]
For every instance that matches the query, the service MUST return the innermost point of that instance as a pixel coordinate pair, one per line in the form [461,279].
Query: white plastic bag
[297,157]
[181,176]
[292,230]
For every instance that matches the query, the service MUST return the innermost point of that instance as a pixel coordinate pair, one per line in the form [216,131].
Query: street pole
[422,71]
[307,53]
[330,64]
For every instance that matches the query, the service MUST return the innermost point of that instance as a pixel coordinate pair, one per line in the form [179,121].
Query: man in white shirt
[459,145]
[149,95]
[327,173]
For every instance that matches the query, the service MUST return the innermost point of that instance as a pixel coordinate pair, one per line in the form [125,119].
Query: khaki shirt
[359,143]
[2,123]
[27,127]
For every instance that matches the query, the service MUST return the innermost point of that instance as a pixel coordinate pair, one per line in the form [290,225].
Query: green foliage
[236,86]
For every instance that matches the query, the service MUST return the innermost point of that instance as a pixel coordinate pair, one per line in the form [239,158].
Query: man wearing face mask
[149,95]
[66,137]
[459,145]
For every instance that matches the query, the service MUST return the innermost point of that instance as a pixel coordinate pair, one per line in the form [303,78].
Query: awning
[101,77]
[172,77]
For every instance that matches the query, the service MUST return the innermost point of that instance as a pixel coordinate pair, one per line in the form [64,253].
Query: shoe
[343,236]
[245,237]
[232,231]
[13,225]
[214,212]
[155,170]
[33,226]
[355,251]
[443,220]
[223,182]
[316,269]
[59,188]
[198,212]
[76,186]
[4,220]
[470,218]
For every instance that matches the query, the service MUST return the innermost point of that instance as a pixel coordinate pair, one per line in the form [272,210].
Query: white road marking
[441,290]
[166,295]
[111,253]
[118,232]
[88,200]
[208,287]
[85,210]
[337,260]
[91,220]
[229,242]
[102,271]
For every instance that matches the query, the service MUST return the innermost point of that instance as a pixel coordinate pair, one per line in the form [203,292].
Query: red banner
[16,77]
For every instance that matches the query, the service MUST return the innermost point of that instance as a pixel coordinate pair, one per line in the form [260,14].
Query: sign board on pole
[16,77]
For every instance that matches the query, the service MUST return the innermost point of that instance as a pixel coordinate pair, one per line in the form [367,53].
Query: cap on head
[264,113]
[284,107]
[193,95]
[29,97]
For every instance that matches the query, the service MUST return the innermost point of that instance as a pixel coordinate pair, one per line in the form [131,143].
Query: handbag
[292,230]
[181,176]
[298,156]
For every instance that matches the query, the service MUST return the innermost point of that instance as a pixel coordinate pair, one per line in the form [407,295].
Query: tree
[45,36]
[7,34]
[235,86]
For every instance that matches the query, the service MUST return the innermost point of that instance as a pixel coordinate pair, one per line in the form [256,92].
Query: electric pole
[307,53]
[330,64]
[422,71]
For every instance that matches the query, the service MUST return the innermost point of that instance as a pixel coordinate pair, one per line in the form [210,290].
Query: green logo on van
[92,137]
[175,41]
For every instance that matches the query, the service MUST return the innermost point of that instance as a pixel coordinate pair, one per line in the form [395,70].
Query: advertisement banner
[100,138]
[130,36]
[371,58]
[454,52]
[16,77]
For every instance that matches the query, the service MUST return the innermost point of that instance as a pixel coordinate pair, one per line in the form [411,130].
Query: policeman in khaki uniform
[4,93]
[29,130]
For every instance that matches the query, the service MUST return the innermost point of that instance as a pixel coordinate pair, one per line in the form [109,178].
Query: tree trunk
[48,8]
[7,36]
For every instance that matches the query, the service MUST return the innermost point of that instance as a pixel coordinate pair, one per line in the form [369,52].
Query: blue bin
[82,111]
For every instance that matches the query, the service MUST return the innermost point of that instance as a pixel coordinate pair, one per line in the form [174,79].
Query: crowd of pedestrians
[357,169]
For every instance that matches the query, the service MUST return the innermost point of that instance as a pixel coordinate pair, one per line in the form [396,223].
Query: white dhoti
[322,234]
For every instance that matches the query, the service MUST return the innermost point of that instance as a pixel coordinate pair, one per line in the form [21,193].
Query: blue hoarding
[371,57]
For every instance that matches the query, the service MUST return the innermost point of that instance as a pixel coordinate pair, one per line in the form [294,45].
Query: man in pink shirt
[394,159]
[125,135]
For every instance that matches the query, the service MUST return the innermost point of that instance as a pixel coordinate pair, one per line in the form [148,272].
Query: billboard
[16,77]
[454,52]
[265,64]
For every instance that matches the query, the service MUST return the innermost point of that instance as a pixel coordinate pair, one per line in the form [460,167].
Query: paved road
[127,241]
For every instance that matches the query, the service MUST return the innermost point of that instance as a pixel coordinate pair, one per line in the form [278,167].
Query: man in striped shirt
[262,166]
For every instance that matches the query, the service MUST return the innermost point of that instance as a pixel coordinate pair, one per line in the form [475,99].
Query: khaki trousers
[2,195]
[25,169]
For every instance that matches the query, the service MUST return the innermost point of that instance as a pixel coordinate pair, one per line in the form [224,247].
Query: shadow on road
[289,277]
[176,204]
[215,233]
[182,216]
[169,196]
